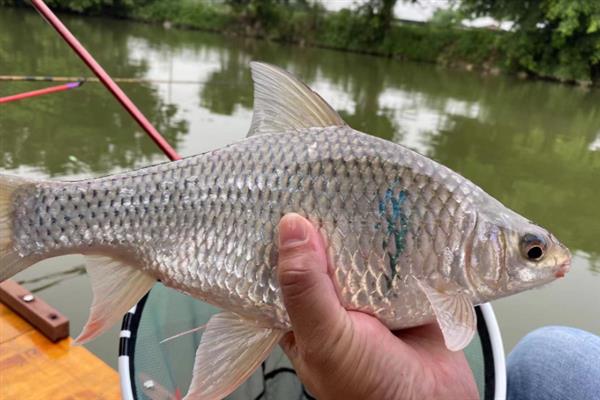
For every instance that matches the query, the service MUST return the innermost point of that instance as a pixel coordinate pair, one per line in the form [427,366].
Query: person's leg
[555,363]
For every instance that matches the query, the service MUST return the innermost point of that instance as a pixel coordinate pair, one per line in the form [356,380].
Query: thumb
[308,292]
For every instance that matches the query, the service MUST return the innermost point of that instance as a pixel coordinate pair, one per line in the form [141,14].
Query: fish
[409,240]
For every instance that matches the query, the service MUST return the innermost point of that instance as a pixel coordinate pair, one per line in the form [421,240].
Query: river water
[533,145]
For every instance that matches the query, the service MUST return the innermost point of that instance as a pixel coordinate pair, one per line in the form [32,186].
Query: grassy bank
[311,25]
[343,30]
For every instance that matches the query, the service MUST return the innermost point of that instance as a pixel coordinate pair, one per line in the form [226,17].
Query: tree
[381,13]
[447,18]
[550,38]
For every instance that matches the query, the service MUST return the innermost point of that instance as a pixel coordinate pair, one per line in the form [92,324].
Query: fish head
[511,254]
[534,257]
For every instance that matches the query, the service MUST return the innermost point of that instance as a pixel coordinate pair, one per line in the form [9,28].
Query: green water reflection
[533,145]
[85,123]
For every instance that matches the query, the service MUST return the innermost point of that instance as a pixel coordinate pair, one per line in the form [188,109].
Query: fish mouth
[563,269]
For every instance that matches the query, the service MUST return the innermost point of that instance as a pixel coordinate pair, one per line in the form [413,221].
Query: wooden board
[32,367]
[34,310]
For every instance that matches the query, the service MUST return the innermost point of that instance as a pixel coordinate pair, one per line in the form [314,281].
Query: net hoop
[487,328]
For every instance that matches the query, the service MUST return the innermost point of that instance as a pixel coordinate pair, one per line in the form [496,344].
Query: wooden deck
[32,367]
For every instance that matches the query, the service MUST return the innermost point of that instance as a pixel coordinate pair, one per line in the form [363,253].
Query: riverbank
[483,50]
[343,30]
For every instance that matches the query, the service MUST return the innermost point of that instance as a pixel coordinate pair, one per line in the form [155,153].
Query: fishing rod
[29,78]
[40,92]
[106,80]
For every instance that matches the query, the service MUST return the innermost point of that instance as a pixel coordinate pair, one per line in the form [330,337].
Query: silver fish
[410,240]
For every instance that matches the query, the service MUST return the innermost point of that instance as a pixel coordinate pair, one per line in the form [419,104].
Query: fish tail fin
[10,260]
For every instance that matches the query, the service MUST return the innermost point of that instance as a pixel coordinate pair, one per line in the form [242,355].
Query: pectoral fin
[230,350]
[455,315]
[117,287]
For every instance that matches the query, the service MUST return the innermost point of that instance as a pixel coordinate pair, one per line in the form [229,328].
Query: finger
[308,292]
[288,344]
[429,336]
[430,331]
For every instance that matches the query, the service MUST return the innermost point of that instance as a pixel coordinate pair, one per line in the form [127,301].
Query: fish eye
[533,247]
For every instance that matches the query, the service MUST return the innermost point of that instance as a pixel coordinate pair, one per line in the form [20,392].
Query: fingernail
[292,232]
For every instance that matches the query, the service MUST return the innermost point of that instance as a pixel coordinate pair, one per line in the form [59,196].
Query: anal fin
[455,315]
[230,350]
[117,287]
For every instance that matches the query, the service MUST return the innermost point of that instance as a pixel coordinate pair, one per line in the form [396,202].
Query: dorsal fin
[283,103]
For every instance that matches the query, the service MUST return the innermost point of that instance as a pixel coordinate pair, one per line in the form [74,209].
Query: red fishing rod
[39,92]
[106,80]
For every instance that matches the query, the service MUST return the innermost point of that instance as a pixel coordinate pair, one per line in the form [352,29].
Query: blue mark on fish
[396,225]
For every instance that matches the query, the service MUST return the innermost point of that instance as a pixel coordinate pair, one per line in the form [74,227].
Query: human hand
[340,354]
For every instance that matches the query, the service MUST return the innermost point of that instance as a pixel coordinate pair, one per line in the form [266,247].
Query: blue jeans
[555,363]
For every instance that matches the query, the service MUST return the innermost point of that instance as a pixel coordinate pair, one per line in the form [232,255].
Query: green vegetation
[368,30]
[556,39]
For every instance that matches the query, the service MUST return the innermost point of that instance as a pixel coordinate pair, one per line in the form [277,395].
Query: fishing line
[93,79]
[197,329]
